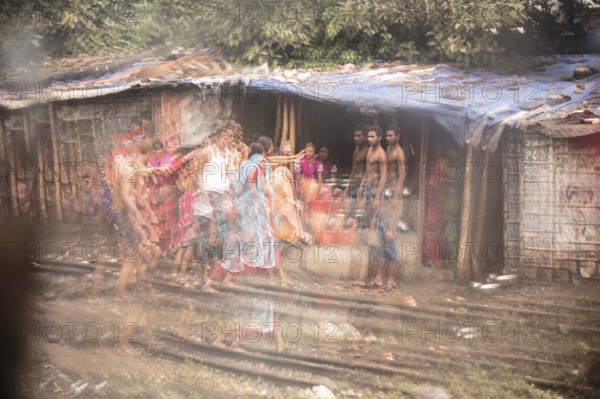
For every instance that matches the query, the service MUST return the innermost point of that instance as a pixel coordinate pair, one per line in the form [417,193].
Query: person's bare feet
[181,333]
[208,289]
[280,345]
[229,283]
[283,281]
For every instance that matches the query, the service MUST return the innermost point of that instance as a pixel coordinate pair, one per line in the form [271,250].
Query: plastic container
[337,237]
[325,206]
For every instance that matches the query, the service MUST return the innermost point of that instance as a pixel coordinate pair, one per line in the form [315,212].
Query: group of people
[376,181]
[313,169]
[223,203]
[228,204]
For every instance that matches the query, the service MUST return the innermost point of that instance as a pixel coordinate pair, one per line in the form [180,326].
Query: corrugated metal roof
[474,105]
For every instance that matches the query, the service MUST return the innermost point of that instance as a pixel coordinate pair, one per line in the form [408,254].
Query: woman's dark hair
[256,148]
[143,146]
[266,142]
[157,144]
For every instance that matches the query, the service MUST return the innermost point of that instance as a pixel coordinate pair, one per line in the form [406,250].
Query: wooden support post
[41,179]
[56,159]
[462,266]
[285,124]
[33,153]
[293,126]
[421,206]
[299,124]
[73,174]
[3,138]
[404,136]
[278,122]
[28,134]
[8,154]
[479,235]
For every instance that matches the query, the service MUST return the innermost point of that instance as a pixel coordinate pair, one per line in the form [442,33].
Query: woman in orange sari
[288,226]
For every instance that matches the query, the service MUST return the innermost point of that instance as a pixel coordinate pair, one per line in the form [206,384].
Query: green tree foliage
[299,32]
[32,29]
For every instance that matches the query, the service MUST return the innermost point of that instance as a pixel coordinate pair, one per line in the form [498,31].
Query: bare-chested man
[390,210]
[375,175]
[359,161]
[373,181]
[395,163]
[126,217]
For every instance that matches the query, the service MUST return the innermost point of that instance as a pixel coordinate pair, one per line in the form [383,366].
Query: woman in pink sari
[306,171]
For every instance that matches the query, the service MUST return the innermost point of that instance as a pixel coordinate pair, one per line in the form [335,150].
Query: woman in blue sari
[248,242]
[253,207]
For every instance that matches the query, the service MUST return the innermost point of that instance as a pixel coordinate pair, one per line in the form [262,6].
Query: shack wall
[552,205]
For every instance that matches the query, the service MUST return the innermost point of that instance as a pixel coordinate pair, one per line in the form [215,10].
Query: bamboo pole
[293,127]
[13,179]
[73,170]
[405,146]
[28,134]
[480,232]
[299,123]
[2,151]
[56,159]
[405,141]
[278,122]
[41,179]
[422,185]
[555,199]
[8,153]
[29,142]
[2,139]
[285,127]
[462,265]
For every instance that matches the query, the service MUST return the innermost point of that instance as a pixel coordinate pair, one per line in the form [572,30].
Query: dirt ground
[84,348]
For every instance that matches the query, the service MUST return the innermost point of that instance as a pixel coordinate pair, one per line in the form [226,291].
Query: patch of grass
[199,381]
[475,383]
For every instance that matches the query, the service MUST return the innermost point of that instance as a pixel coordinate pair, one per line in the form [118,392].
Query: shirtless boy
[375,174]
[359,161]
[373,182]
[390,210]
[127,218]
